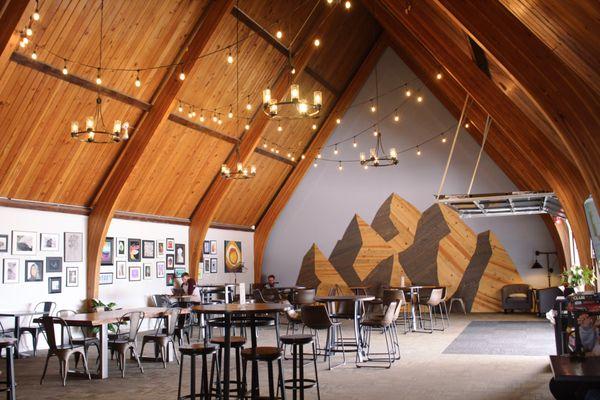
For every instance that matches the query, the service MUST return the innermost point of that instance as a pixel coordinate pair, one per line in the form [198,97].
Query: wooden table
[576,369]
[17,315]
[414,292]
[248,309]
[101,320]
[358,300]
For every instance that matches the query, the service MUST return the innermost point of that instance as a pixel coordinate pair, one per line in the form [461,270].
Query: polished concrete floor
[424,372]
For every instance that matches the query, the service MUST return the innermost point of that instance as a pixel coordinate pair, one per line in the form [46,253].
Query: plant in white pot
[578,276]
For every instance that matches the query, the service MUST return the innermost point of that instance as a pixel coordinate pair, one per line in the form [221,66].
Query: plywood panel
[396,221]
[317,272]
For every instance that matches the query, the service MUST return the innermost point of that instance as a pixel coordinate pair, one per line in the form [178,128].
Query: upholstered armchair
[517,297]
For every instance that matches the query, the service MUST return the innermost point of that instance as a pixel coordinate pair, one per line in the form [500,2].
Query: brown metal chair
[64,350]
[85,338]
[122,344]
[434,300]
[162,337]
[387,323]
[316,318]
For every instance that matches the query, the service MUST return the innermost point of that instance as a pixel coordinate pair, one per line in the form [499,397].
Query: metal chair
[434,300]
[86,338]
[64,350]
[162,337]
[387,323]
[43,308]
[316,318]
[122,344]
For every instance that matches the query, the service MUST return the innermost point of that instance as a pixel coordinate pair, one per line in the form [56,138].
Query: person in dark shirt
[270,282]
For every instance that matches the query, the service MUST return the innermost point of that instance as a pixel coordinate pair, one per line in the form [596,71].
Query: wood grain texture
[11,13]
[396,222]
[317,272]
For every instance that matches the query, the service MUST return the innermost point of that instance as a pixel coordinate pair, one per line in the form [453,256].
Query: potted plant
[578,276]
[96,303]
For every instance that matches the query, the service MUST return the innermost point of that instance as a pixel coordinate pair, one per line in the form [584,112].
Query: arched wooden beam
[104,207]
[208,205]
[11,13]
[422,24]
[562,96]
[264,226]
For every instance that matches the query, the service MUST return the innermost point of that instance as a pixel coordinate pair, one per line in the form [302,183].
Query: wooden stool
[9,344]
[269,355]
[193,350]
[237,343]
[297,342]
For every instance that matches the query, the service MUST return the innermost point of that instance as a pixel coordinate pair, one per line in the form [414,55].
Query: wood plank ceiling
[181,161]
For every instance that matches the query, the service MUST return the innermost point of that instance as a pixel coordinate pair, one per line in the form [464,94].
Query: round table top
[416,287]
[326,299]
[236,308]
[6,341]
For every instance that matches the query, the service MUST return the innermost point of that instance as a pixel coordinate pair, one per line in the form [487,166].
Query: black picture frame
[213,247]
[179,254]
[139,273]
[74,273]
[106,278]
[148,252]
[121,270]
[3,243]
[54,264]
[206,247]
[54,285]
[170,279]
[147,271]
[170,261]
[39,264]
[214,265]
[170,244]
[134,250]
[109,257]
[207,265]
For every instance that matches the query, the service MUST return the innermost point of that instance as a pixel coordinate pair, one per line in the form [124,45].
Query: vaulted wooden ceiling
[538,81]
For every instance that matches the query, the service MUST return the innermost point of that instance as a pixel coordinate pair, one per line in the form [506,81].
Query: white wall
[326,199]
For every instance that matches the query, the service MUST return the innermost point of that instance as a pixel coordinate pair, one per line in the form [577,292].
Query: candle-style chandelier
[95,130]
[294,108]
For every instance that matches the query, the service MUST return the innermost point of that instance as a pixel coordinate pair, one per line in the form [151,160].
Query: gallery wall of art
[326,201]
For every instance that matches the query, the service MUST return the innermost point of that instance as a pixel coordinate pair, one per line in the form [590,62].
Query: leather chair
[517,297]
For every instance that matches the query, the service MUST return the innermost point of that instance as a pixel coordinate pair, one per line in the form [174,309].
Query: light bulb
[138,82]
[190,114]
[265,145]
[329,1]
[229,58]
[375,133]
[266,96]
[318,98]
[335,150]
[272,149]
[354,144]
[373,108]
[366,167]
[295,92]
[347,4]
[22,43]
[89,123]
[180,107]
[25,40]
[319,155]
[273,108]
[279,128]
[98,80]
[214,118]
[340,167]
[230,114]
[34,55]
[315,165]
[117,126]
[193,112]
[408,93]
[277,151]
[362,156]
[289,155]
[338,121]
[248,105]
[393,153]
[438,76]
[279,34]
[29,31]
[125,134]
[314,127]
[219,121]
[418,151]
[317,42]
[303,156]
[467,125]
[247,126]
[181,76]
[303,107]
[74,127]
[253,169]
[444,140]
[293,71]
[240,167]
[419,99]
[36,15]
[396,117]
[65,71]
[293,158]
[202,119]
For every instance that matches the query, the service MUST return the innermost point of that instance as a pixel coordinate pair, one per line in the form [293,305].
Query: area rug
[518,338]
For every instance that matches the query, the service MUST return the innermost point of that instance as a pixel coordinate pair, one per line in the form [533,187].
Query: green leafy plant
[96,303]
[579,275]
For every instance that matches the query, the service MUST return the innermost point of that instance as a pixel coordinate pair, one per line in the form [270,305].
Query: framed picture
[170,279]
[233,256]
[73,246]
[24,243]
[170,244]
[214,262]
[72,277]
[179,272]
[106,278]
[121,248]
[147,271]
[149,247]
[213,247]
[10,270]
[170,261]
[49,241]
[160,269]
[206,247]
[3,243]
[55,284]
[34,270]
[121,270]
[179,254]
[206,264]
[54,264]
[160,249]
[134,250]
[135,273]
[108,252]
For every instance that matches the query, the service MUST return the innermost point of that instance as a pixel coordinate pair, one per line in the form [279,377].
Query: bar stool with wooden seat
[300,382]
[268,355]
[9,344]
[193,350]
[237,343]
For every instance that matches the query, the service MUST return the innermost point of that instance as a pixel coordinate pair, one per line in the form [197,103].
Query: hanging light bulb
[138,82]
[289,155]
[219,121]
[354,144]
[181,74]
[419,99]
[29,31]
[338,121]
[319,155]
[279,34]
[293,71]
[125,134]
[293,158]
[303,156]
[65,71]
[335,150]
[266,96]
[22,43]
[347,4]
[362,156]
[36,13]
[438,76]
[214,117]
[418,151]
[315,164]
[373,108]
[396,116]
[317,42]
[98,78]
[444,140]
[314,127]
[408,93]
[393,153]
[34,55]
[230,113]
[247,126]
[467,125]
[340,167]
[230,58]
[279,128]
[276,151]
[375,133]
[329,1]
[265,144]
[366,167]
[248,104]
[202,119]
[180,107]
[191,112]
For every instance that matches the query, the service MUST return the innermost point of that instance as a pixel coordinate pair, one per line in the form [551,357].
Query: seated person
[270,282]
[188,285]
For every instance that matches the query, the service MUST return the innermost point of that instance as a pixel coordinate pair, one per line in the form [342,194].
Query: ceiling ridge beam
[293,179]
[50,70]
[134,148]
[423,23]
[201,128]
[10,16]
[276,157]
[280,47]
[214,195]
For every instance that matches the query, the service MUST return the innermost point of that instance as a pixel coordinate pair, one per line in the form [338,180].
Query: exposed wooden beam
[292,181]
[568,103]
[277,157]
[11,13]
[426,23]
[106,200]
[201,128]
[273,41]
[479,57]
[215,194]
[48,69]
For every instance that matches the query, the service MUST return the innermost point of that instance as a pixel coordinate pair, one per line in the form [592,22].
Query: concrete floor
[424,372]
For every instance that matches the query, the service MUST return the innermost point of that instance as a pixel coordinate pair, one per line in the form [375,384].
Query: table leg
[10,373]
[413,310]
[255,390]
[103,356]
[359,349]
[227,356]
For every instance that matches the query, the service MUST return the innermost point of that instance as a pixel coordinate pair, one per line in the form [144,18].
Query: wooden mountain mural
[432,248]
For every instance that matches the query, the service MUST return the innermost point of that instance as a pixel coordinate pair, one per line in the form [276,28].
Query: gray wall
[326,199]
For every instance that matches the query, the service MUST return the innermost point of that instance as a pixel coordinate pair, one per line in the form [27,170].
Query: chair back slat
[303,297]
